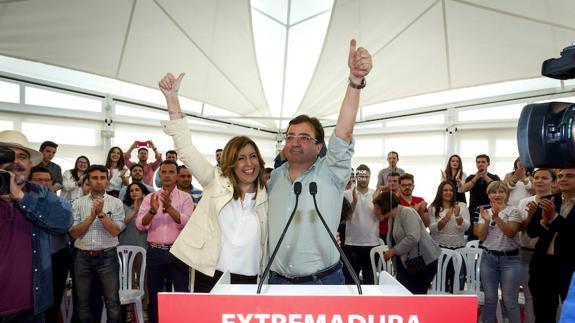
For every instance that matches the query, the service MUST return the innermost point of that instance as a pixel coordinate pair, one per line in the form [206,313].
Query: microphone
[297,190]
[313,192]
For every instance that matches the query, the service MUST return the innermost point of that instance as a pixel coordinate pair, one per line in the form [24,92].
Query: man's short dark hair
[142,148]
[47,144]
[169,162]
[94,168]
[393,152]
[181,167]
[406,176]
[393,174]
[219,149]
[484,156]
[136,165]
[39,169]
[268,170]
[171,152]
[361,167]
[314,122]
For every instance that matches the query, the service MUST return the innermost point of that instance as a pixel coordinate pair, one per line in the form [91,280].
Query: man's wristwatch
[101,215]
[152,211]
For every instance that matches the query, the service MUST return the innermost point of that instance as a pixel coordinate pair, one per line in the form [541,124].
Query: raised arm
[179,131]
[170,85]
[360,64]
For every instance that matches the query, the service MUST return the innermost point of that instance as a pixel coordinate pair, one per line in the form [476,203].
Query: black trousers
[416,283]
[60,266]
[162,265]
[549,280]
[359,259]
[204,283]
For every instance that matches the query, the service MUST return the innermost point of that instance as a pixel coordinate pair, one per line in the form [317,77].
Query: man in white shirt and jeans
[362,230]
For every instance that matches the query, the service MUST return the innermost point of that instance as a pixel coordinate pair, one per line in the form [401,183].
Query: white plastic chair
[378,265]
[439,283]
[471,260]
[128,294]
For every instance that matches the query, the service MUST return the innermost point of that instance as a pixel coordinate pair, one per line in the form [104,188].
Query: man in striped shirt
[98,219]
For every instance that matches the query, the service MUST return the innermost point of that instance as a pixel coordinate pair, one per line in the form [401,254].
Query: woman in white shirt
[500,263]
[72,179]
[454,172]
[117,168]
[227,231]
[449,219]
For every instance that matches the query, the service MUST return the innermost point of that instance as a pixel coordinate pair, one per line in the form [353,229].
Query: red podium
[388,302]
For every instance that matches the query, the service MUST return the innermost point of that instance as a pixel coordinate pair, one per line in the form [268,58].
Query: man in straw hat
[28,213]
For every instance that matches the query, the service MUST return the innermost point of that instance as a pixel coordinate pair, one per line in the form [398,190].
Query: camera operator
[28,214]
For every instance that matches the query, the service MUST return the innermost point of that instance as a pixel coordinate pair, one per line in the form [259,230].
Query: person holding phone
[149,168]
[498,224]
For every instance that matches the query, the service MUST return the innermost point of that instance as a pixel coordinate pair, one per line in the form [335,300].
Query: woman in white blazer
[413,252]
[227,231]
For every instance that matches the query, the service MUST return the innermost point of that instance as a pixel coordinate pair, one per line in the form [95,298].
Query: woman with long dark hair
[131,235]
[117,169]
[74,178]
[449,218]
[454,172]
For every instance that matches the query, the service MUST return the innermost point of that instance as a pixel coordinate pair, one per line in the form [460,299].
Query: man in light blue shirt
[307,255]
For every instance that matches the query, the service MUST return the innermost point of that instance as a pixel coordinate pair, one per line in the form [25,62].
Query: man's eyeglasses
[301,138]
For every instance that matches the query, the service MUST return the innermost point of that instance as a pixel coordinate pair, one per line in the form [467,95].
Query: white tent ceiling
[419,47]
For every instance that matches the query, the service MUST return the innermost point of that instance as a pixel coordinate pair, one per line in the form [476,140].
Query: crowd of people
[54,225]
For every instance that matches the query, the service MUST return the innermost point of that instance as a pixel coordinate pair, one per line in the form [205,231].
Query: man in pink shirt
[164,214]
[149,168]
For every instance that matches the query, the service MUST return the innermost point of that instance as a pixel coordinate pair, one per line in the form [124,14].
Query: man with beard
[137,175]
[362,230]
[28,214]
[149,168]
[406,186]
[392,159]
[477,187]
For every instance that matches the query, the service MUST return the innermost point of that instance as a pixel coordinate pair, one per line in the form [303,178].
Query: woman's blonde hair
[230,158]
[496,186]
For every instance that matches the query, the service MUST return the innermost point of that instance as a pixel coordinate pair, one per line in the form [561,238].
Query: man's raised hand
[359,62]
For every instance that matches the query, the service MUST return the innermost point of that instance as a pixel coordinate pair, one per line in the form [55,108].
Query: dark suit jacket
[565,229]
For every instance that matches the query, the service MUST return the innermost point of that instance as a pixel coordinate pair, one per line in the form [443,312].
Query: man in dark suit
[553,263]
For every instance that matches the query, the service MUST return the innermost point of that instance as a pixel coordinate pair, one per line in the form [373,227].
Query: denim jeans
[335,278]
[504,270]
[104,270]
